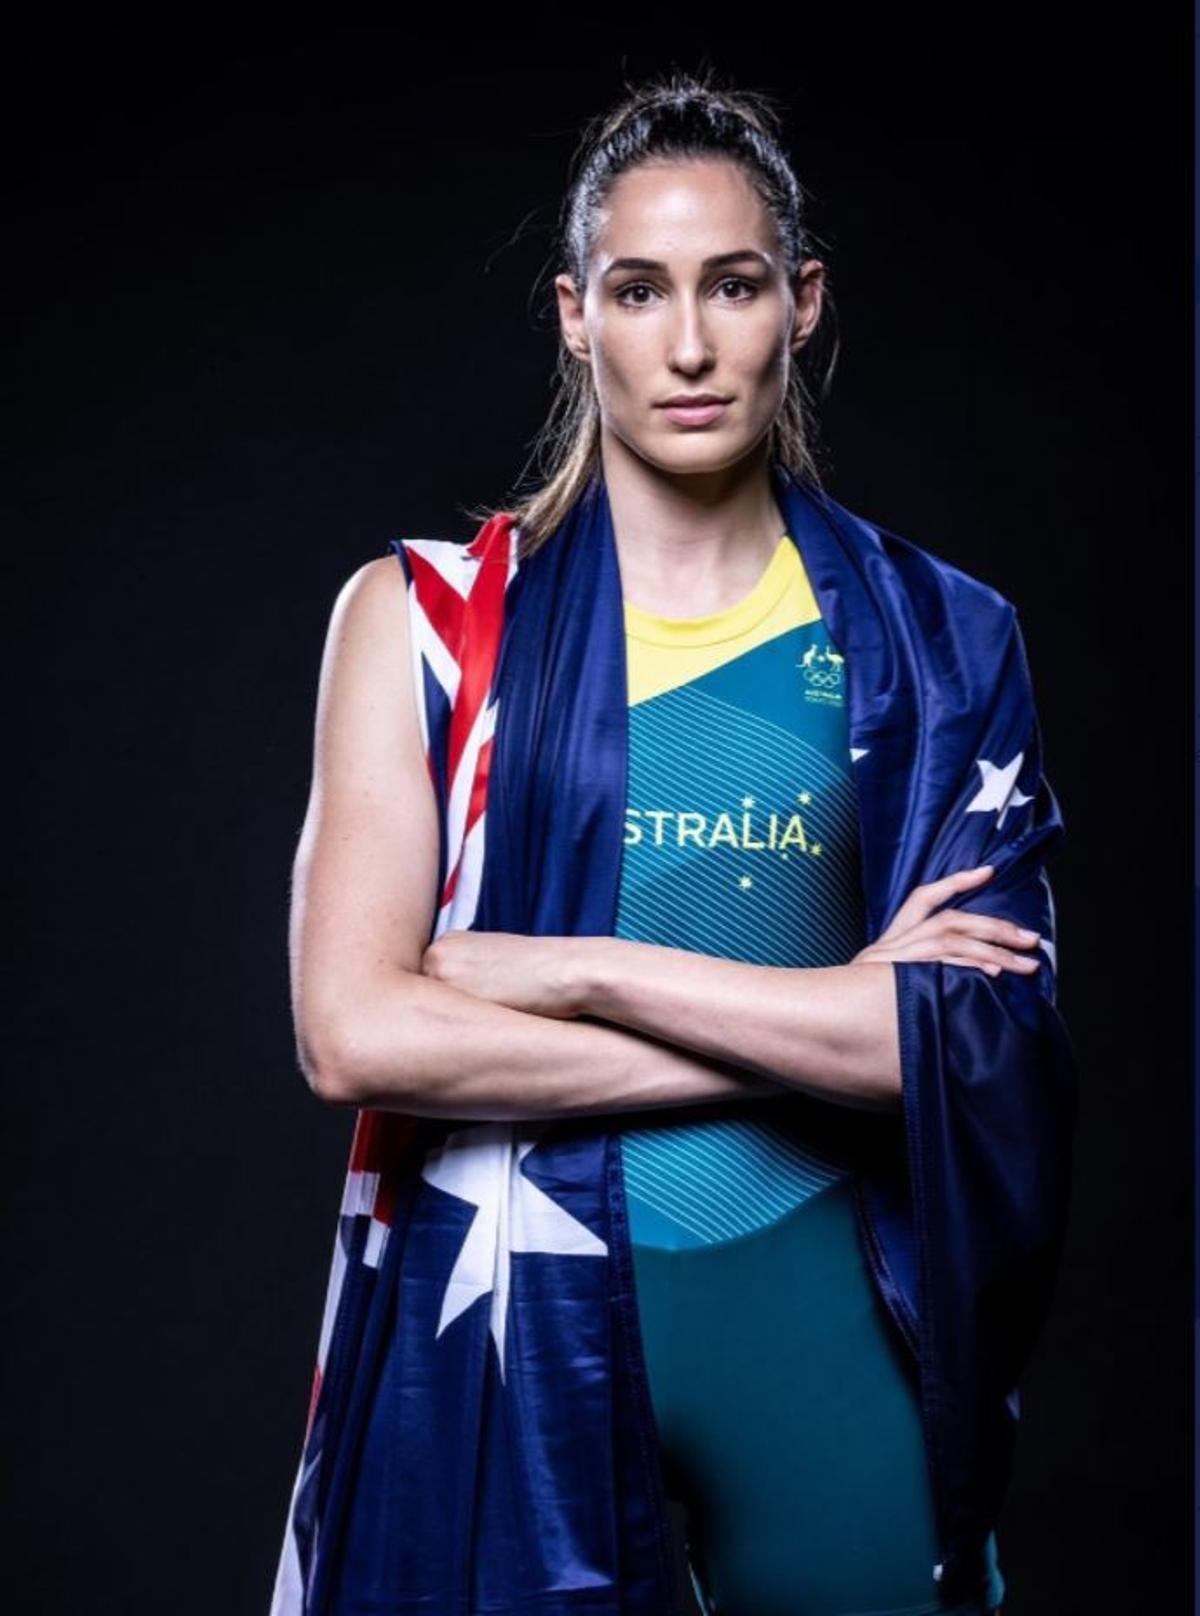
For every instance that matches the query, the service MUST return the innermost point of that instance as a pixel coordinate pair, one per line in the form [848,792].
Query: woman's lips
[693,414]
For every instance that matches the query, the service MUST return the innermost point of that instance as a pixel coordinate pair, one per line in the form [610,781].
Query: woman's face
[688,294]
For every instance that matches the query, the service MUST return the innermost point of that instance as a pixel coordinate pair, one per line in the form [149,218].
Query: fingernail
[1033,936]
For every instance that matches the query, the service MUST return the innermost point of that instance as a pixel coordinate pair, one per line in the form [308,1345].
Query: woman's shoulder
[417,569]
[421,570]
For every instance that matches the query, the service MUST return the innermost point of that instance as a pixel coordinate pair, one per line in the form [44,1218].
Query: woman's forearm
[831,1030]
[410,1043]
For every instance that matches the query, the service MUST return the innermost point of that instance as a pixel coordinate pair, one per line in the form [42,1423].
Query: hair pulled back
[684,116]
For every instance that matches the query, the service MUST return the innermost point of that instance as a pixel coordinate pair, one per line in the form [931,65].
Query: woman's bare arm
[371,1029]
[463,1057]
[831,1030]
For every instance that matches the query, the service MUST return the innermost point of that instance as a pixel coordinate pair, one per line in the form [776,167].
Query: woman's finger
[1024,964]
[993,964]
[963,950]
[990,928]
[919,944]
[923,900]
[955,959]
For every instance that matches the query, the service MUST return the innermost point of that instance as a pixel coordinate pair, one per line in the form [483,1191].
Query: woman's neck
[689,545]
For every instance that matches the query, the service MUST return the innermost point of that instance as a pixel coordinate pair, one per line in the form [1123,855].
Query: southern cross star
[482,1164]
[999,788]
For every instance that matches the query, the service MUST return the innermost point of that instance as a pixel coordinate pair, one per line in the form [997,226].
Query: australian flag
[480,1437]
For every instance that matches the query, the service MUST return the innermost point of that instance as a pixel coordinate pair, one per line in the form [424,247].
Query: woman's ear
[808,289]
[570,316]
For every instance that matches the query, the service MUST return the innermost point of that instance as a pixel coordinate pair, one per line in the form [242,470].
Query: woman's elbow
[331,1052]
[361,1050]
[322,1059]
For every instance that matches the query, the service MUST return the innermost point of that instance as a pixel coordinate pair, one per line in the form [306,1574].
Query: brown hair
[679,115]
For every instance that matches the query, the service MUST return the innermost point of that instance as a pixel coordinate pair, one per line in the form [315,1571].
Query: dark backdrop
[274,302]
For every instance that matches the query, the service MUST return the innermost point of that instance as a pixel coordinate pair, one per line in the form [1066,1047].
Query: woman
[737,1029]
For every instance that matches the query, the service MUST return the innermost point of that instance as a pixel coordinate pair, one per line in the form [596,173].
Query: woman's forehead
[685,210]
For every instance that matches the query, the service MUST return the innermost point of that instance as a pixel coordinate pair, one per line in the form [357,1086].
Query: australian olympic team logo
[824,674]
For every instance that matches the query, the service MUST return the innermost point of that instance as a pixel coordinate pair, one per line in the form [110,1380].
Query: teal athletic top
[741,840]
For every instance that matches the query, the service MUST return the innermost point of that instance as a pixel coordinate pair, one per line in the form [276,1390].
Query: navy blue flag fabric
[481,1437]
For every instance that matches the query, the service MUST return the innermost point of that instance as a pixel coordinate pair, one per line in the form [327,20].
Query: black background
[279,294]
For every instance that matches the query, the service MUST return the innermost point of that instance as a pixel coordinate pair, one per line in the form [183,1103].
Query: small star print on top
[741,840]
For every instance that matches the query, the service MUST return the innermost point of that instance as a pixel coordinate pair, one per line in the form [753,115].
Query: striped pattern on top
[741,842]
[715,1181]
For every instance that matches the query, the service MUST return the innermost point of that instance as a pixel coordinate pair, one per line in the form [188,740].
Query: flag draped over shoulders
[480,1436]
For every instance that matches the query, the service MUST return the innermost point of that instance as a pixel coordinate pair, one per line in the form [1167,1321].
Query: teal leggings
[789,1422]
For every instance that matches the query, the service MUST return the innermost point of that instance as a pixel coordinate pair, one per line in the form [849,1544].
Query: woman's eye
[634,286]
[744,287]
[736,280]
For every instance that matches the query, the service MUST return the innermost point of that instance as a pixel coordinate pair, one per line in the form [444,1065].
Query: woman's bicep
[365,874]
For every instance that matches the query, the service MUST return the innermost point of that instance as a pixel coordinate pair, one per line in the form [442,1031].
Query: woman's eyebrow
[713,262]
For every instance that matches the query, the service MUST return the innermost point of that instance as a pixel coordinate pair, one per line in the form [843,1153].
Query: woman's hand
[525,973]
[955,936]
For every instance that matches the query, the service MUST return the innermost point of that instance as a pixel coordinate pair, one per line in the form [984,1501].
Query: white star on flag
[999,788]
[482,1164]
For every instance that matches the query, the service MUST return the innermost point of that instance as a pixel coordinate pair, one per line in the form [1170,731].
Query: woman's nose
[690,342]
